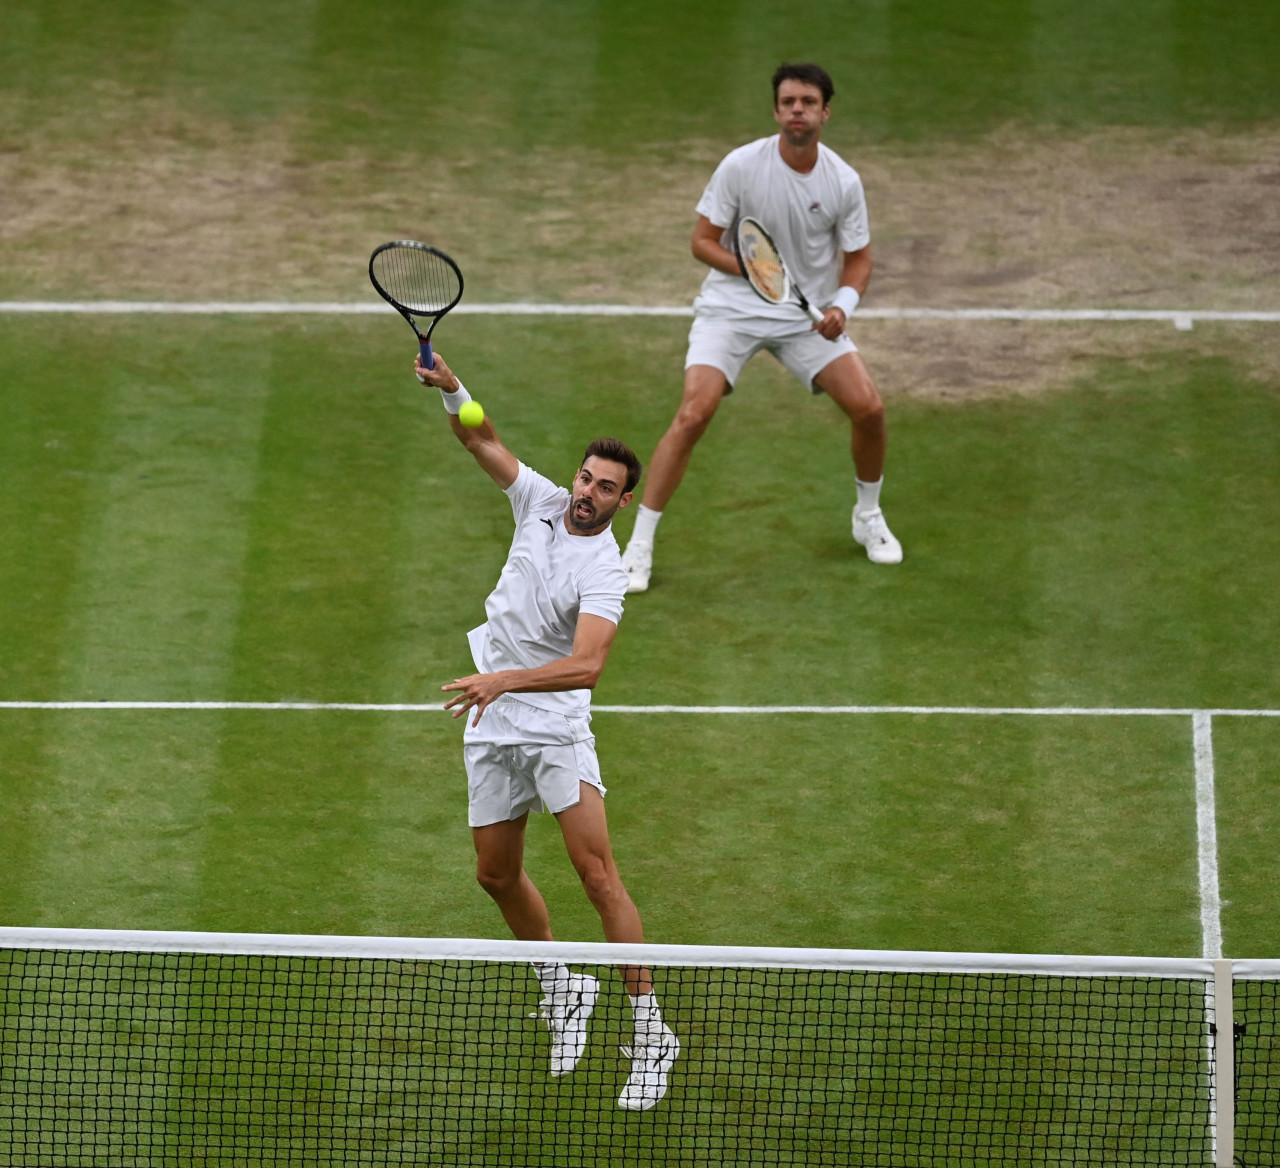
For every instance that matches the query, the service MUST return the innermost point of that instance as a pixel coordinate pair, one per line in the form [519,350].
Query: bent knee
[693,417]
[497,881]
[868,411]
[602,884]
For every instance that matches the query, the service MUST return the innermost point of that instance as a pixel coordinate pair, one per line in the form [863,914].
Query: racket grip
[427,356]
[814,314]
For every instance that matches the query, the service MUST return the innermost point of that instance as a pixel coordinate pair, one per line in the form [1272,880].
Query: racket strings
[422,281]
[763,265]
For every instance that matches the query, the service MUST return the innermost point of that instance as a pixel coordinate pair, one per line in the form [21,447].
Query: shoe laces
[638,557]
[652,1053]
[874,522]
[550,1012]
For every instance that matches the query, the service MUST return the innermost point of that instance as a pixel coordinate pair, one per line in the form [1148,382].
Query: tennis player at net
[551,622]
[811,202]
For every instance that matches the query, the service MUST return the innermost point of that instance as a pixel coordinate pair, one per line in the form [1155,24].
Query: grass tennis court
[268,509]
[243,510]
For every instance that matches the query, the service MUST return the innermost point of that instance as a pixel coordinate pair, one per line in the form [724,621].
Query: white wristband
[846,299]
[454,401]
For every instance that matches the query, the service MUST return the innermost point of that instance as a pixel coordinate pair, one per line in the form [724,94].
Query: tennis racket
[765,269]
[417,281]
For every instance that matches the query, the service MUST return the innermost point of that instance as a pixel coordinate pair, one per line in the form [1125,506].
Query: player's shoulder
[750,153]
[530,489]
[836,164]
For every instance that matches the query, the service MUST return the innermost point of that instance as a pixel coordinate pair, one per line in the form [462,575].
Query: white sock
[646,524]
[648,1018]
[868,495]
[553,976]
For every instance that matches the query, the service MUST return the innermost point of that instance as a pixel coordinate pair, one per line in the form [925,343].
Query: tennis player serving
[811,204]
[528,744]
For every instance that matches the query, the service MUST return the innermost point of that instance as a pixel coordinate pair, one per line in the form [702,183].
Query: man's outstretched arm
[592,638]
[486,447]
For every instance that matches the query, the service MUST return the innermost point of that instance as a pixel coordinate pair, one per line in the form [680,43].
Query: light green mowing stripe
[154,605]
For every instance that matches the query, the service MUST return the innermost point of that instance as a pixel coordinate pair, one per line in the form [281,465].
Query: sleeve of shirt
[855,230]
[602,588]
[528,489]
[720,200]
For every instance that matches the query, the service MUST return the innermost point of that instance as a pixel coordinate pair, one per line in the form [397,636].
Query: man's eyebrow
[582,470]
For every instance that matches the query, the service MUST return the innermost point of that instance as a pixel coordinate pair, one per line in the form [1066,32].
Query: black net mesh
[125,1059]
[1257,1006]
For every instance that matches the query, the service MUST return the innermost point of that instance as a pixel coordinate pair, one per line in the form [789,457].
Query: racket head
[414,278]
[761,262]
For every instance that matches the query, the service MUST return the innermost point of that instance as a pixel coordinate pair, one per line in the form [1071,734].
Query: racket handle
[427,356]
[814,314]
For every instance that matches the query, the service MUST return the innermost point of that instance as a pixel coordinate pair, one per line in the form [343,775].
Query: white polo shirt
[812,218]
[549,579]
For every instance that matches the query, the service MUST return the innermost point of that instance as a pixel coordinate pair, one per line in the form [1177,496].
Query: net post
[1224,1118]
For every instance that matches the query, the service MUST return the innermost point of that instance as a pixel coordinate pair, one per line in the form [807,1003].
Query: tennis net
[129,1049]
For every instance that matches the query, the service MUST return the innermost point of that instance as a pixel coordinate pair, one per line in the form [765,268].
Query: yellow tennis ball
[471,414]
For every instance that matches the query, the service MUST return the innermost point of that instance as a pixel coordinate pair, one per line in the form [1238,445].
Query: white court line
[429,707]
[1201,721]
[1180,318]
[1207,836]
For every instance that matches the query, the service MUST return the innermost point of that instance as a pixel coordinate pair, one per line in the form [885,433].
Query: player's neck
[800,158]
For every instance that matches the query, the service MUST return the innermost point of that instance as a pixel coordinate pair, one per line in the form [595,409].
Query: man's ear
[627,496]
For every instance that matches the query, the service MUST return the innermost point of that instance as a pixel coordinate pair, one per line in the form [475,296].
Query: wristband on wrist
[846,299]
[454,401]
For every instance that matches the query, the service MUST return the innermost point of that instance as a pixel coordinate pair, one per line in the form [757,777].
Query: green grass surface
[569,73]
[249,511]
[270,509]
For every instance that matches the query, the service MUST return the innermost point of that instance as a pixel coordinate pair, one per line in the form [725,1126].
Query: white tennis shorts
[728,343]
[520,759]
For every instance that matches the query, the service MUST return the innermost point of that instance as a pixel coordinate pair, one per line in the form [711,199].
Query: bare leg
[704,386]
[848,383]
[500,871]
[586,837]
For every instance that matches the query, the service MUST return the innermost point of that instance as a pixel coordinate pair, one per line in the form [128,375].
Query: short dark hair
[616,451]
[809,74]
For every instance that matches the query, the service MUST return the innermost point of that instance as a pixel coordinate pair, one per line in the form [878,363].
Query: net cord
[471,949]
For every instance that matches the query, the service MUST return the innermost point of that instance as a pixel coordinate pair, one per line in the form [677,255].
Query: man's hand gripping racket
[765,269]
[417,281]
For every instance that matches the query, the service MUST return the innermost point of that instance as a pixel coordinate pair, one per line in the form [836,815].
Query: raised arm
[486,447]
[592,638]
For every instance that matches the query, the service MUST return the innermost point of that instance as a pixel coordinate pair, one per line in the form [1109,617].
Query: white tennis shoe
[566,1012]
[650,1065]
[870,530]
[637,562]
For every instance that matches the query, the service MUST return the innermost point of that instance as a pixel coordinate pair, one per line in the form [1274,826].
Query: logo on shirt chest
[815,207]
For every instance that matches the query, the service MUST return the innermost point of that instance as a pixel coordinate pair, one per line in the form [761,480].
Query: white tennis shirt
[812,218]
[550,578]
